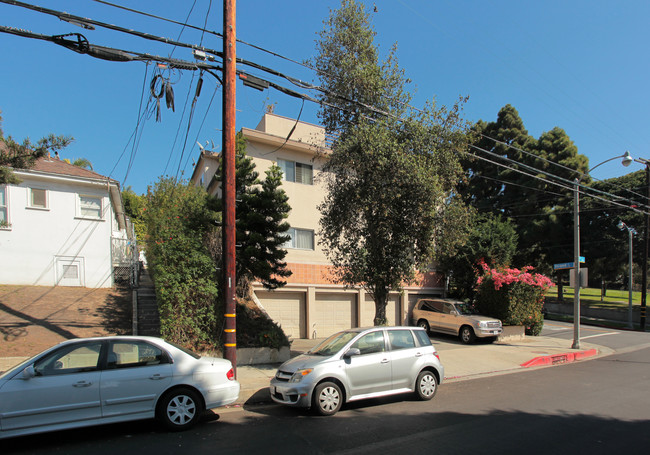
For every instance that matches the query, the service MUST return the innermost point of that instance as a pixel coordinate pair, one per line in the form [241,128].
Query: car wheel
[426,385]
[327,399]
[467,334]
[179,409]
[423,324]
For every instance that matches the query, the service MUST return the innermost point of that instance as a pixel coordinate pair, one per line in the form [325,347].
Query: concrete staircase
[146,321]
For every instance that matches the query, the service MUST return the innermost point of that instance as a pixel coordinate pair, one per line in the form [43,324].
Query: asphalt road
[618,340]
[594,406]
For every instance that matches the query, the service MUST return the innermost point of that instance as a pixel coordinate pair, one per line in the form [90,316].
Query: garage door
[392,311]
[287,309]
[332,313]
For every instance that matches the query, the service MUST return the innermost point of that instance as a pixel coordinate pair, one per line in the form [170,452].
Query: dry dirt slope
[33,318]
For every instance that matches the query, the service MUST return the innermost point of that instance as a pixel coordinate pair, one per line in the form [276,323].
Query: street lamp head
[621,225]
[627,159]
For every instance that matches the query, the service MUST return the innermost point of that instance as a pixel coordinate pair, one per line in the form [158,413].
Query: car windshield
[333,344]
[465,308]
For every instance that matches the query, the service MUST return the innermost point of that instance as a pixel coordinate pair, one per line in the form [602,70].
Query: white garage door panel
[392,311]
[287,309]
[333,313]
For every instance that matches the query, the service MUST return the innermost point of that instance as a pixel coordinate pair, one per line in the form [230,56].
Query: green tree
[261,209]
[356,85]
[23,156]
[262,232]
[602,243]
[134,208]
[492,240]
[521,192]
[391,175]
[485,188]
[179,226]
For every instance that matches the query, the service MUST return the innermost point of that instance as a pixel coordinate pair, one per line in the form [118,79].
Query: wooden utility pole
[228,179]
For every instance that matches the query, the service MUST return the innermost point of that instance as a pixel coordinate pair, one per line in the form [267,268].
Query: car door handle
[418,354]
[156,377]
[385,361]
[82,384]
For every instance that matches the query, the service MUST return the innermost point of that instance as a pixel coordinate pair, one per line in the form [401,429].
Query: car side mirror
[29,372]
[351,352]
[454,312]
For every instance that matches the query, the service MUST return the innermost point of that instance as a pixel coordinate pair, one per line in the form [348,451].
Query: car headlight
[483,324]
[300,374]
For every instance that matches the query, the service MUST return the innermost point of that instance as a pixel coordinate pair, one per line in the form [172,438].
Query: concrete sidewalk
[461,362]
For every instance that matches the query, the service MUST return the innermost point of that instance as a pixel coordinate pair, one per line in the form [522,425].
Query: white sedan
[93,381]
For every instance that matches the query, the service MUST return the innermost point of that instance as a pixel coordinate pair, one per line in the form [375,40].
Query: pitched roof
[57,166]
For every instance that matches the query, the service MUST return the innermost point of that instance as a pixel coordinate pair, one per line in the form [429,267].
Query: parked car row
[100,380]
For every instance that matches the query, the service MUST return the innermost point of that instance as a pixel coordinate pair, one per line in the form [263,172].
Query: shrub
[178,223]
[256,330]
[512,295]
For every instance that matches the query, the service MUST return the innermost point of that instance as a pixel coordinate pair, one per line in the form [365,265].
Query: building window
[301,239]
[90,207]
[297,172]
[37,198]
[4,207]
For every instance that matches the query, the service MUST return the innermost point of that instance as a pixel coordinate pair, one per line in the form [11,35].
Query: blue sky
[581,65]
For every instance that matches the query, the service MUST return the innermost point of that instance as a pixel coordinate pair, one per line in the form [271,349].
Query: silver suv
[357,364]
[455,318]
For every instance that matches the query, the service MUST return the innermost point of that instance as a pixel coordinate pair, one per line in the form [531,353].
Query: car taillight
[436,354]
[231,375]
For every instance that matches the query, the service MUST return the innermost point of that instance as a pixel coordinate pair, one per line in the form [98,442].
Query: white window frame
[30,199]
[5,223]
[291,172]
[293,241]
[81,214]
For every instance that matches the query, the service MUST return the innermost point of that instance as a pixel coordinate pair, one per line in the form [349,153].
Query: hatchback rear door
[405,358]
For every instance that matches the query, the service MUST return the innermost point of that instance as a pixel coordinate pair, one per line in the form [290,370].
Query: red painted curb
[556,359]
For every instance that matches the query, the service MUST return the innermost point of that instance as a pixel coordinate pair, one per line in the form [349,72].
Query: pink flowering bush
[516,296]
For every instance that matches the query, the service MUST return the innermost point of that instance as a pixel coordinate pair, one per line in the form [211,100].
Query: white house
[62,226]
[311,305]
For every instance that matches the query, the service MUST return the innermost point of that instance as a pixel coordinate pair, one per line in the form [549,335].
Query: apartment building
[311,305]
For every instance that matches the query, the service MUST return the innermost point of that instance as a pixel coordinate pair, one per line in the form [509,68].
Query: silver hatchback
[357,364]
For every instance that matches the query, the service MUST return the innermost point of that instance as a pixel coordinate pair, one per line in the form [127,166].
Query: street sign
[568,265]
[583,277]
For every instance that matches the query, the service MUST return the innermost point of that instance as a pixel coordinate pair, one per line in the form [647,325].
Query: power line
[541,158]
[566,184]
[82,46]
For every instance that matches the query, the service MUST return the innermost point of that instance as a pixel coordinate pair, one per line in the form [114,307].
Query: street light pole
[576,265]
[627,160]
[646,248]
[630,232]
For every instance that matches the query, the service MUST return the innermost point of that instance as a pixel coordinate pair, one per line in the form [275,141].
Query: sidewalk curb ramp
[556,359]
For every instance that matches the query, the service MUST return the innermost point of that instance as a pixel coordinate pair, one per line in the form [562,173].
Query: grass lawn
[592,297]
